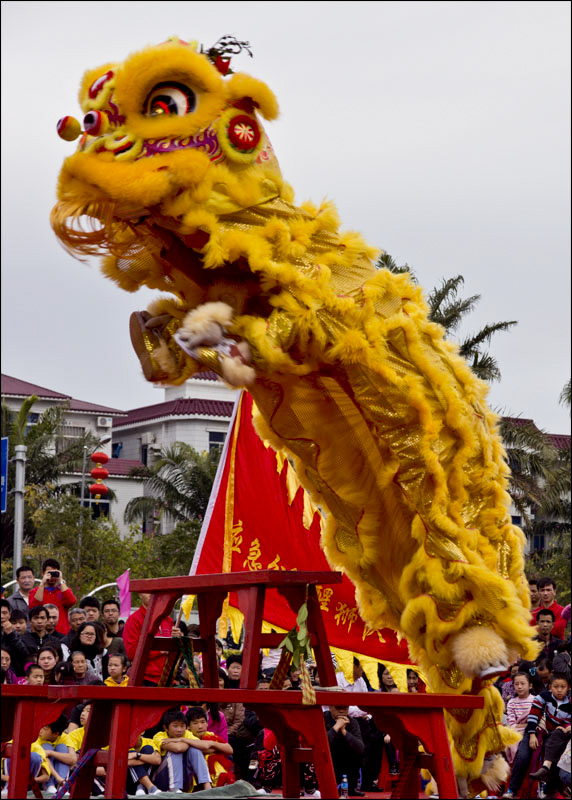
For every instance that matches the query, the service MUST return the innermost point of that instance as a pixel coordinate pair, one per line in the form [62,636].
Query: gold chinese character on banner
[253,555]
[275,564]
[324,596]
[367,631]
[346,615]
[236,537]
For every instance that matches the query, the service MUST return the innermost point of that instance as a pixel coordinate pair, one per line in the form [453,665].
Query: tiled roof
[121,466]
[81,405]
[18,388]
[206,376]
[182,407]
[14,387]
[561,441]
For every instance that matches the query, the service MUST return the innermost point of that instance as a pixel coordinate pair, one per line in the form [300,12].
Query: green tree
[104,554]
[48,457]
[177,484]
[449,309]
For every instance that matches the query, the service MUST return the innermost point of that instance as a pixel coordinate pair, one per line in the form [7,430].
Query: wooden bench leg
[119,740]
[442,760]
[96,735]
[251,603]
[20,761]
[288,724]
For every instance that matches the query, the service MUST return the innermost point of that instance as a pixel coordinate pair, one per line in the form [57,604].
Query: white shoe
[51,790]
[153,790]
[140,790]
[4,793]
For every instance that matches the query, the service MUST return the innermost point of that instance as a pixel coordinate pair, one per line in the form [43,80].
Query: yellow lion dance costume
[386,424]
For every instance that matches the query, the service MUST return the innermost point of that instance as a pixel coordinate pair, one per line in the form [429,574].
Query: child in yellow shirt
[182,756]
[116,667]
[59,750]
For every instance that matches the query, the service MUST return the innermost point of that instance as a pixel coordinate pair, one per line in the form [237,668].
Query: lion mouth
[207,141]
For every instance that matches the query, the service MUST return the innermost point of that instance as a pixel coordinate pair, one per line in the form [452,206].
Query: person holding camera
[53,589]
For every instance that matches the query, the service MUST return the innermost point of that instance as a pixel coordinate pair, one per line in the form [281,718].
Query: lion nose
[68,128]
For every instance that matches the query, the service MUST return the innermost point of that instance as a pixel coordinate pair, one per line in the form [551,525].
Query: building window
[32,420]
[116,449]
[516,521]
[144,453]
[538,542]
[216,440]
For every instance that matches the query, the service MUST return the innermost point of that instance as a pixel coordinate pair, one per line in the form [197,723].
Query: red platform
[118,715]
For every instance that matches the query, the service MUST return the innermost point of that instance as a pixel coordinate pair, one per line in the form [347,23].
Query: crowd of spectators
[48,637]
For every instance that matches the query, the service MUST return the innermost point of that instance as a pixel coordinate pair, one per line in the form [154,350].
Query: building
[198,412]
[80,416]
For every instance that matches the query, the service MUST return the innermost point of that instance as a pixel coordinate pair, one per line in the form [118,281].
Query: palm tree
[565,395]
[48,457]
[178,484]
[448,309]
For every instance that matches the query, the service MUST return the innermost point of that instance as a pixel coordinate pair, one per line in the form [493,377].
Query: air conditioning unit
[104,422]
[148,438]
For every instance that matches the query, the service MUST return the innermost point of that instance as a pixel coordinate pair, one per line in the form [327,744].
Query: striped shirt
[517,711]
[556,712]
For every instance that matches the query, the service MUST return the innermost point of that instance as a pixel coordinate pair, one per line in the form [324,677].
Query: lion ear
[249,94]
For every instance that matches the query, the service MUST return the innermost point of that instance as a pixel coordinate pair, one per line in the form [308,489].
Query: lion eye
[170,98]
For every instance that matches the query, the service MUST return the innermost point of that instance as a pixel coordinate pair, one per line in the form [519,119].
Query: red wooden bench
[120,714]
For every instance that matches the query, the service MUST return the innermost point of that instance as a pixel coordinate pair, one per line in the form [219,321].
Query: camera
[54,573]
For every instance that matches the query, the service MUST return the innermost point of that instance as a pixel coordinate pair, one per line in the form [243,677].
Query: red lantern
[99,458]
[99,472]
[98,489]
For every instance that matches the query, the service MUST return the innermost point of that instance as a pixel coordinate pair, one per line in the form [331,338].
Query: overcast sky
[440,129]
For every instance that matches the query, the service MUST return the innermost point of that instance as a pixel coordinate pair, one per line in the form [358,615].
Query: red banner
[259,517]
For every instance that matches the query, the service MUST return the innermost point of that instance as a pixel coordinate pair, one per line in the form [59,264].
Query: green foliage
[554,563]
[297,641]
[178,484]
[448,309]
[45,463]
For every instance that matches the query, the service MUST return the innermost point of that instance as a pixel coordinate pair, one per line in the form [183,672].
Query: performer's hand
[387,738]
[176,633]
[533,741]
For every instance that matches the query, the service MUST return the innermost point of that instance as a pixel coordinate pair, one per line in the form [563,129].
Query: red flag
[259,517]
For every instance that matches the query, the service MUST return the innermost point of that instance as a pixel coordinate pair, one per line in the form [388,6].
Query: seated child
[221,768]
[558,738]
[116,668]
[34,675]
[140,760]
[518,709]
[182,755]
[40,769]
[554,706]
[61,753]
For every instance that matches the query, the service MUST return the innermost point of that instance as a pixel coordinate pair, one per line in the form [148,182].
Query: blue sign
[4,473]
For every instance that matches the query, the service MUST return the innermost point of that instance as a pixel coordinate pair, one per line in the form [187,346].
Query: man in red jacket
[131,635]
[53,589]
[547,592]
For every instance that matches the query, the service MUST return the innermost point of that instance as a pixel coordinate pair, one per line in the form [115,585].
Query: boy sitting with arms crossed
[220,767]
[554,706]
[183,755]
[59,750]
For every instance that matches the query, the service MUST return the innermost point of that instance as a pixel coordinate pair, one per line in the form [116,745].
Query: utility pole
[20,451]
[81,504]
